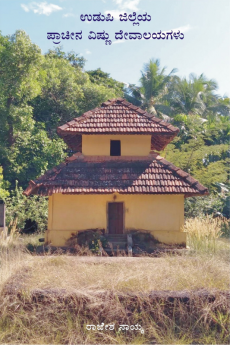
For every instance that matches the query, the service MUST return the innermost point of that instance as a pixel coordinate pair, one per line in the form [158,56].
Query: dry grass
[58,321]
[13,255]
[8,240]
[203,233]
[128,274]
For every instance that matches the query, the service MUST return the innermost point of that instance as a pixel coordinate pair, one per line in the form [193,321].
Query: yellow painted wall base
[161,215]
[58,238]
[170,237]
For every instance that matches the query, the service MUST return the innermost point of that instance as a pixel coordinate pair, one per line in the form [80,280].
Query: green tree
[38,93]
[74,59]
[101,78]
[33,154]
[66,92]
[217,129]
[20,60]
[20,208]
[193,96]
[154,84]
[61,93]
[25,149]
[3,192]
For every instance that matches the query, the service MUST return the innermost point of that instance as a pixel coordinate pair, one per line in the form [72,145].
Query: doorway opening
[115,218]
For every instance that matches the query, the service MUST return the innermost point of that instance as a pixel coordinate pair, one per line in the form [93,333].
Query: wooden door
[115,217]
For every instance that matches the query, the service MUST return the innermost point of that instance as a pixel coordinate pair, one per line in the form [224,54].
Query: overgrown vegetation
[51,298]
[204,233]
[20,209]
[62,319]
[40,92]
[201,148]
[37,94]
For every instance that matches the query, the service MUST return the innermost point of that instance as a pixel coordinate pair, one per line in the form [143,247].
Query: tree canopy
[203,117]
[39,92]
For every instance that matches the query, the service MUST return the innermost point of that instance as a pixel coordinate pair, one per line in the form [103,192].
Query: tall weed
[202,233]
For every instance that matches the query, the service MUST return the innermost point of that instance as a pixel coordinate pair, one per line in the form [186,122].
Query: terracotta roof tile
[118,116]
[105,174]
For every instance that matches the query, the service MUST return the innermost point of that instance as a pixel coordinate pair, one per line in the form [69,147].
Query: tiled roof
[118,116]
[122,174]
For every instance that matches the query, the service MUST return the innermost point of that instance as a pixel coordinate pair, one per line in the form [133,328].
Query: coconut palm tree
[221,107]
[154,83]
[193,96]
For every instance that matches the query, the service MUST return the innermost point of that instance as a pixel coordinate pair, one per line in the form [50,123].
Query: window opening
[115,147]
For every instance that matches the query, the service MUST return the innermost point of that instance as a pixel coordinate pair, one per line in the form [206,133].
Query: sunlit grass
[203,233]
[204,266]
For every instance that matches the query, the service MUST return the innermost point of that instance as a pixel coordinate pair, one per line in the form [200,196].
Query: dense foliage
[26,213]
[202,146]
[40,92]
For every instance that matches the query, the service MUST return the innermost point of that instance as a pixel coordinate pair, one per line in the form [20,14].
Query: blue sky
[204,49]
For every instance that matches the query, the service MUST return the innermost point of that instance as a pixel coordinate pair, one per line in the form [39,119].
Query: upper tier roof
[117,116]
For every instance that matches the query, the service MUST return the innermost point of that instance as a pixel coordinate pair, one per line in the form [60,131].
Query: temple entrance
[115,218]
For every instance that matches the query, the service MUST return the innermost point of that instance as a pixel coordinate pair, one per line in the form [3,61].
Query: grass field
[73,291]
[122,274]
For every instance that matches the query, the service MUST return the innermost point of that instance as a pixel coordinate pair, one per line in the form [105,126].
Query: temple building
[116,181]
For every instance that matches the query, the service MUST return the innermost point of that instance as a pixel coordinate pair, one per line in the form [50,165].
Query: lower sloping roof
[105,174]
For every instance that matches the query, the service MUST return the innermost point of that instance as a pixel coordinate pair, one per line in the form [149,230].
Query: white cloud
[88,52]
[25,8]
[124,6]
[117,42]
[129,4]
[114,13]
[41,8]
[68,15]
[181,29]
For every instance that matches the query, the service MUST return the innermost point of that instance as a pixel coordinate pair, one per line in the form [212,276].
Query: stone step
[118,244]
[122,243]
[108,234]
[116,237]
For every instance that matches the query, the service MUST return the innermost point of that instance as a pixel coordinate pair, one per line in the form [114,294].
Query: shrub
[203,233]
[20,209]
[93,239]
[207,205]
